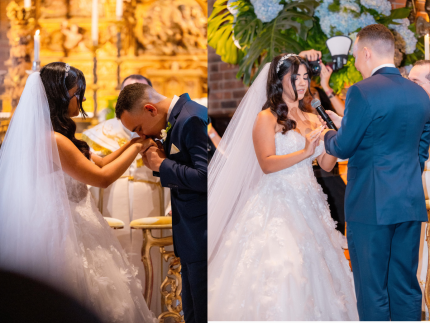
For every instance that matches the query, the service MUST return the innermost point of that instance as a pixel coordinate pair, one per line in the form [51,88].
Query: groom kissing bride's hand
[145,143]
[181,163]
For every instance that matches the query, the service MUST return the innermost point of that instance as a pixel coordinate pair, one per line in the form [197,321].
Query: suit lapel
[184,98]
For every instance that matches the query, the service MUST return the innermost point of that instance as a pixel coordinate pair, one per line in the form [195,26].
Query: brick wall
[398,3]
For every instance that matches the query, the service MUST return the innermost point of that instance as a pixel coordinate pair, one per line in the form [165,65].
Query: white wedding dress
[114,292]
[280,258]
[50,227]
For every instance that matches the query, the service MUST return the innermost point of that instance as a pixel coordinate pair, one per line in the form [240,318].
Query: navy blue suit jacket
[385,133]
[186,174]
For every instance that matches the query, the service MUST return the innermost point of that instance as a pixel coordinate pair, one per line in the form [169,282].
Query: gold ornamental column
[20,40]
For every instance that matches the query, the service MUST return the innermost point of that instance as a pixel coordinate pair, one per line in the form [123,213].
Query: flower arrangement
[258,30]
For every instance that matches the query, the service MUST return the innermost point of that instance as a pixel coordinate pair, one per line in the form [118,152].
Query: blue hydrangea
[353,37]
[266,10]
[350,5]
[407,35]
[232,8]
[343,21]
[381,6]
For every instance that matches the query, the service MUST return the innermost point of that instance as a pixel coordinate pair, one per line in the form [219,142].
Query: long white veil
[36,227]
[234,169]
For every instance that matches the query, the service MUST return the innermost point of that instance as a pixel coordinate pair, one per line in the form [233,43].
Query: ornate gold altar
[164,40]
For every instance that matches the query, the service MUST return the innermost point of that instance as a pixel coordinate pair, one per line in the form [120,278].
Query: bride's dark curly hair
[274,88]
[57,87]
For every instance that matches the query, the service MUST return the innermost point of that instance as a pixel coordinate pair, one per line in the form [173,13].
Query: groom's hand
[153,158]
[144,143]
[337,120]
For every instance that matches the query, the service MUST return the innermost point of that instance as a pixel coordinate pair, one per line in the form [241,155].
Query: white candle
[95,23]
[37,45]
[118,9]
[426,46]
[27,3]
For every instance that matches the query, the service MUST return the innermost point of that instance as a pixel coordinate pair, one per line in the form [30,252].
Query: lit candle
[95,23]
[118,9]
[27,3]
[426,46]
[37,46]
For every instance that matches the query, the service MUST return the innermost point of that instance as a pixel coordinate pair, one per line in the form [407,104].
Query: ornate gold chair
[172,285]
[114,223]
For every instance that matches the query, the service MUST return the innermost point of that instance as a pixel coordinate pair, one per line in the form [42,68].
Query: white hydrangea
[381,6]
[266,10]
[407,35]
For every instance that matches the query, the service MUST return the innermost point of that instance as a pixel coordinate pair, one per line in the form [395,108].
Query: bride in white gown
[50,227]
[274,253]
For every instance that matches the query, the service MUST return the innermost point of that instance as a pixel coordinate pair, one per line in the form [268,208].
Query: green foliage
[261,42]
[347,75]
[398,13]
[293,30]
[111,108]
[220,33]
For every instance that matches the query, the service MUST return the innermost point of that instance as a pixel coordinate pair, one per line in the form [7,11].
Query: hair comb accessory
[67,70]
[283,58]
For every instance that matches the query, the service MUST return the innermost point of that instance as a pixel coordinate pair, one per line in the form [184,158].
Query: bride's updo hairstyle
[57,87]
[274,88]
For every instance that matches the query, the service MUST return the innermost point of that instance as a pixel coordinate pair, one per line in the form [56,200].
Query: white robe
[135,195]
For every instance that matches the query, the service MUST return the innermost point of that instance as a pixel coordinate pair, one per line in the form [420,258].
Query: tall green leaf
[220,32]
[247,25]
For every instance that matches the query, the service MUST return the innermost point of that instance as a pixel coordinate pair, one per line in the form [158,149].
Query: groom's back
[387,186]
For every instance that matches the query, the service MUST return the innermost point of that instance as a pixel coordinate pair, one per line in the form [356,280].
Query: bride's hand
[312,141]
[144,144]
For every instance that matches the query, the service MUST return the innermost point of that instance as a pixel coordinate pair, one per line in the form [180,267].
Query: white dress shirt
[172,104]
[381,66]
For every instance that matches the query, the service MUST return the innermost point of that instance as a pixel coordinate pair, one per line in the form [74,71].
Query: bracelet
[332,95]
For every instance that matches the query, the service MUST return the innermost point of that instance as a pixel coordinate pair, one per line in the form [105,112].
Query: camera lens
[315,68]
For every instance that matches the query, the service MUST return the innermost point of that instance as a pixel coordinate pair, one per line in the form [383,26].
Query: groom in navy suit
[385,133]
[182,165]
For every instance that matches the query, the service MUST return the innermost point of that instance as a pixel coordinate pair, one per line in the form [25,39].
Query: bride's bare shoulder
[266,116]
[265,121]
[62,141]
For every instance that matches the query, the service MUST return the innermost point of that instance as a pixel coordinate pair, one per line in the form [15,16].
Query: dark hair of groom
[134,95]
[379,38]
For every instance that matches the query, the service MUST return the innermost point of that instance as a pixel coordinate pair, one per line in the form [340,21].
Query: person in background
[135,78]
[133,196]
[214,140]
[331,182]
[420,74]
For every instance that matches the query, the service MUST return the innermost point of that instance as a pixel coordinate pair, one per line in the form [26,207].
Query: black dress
[334,187]
[331,182]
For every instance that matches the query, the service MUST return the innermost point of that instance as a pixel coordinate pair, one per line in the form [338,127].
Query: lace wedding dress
[281,257]
[114,292]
